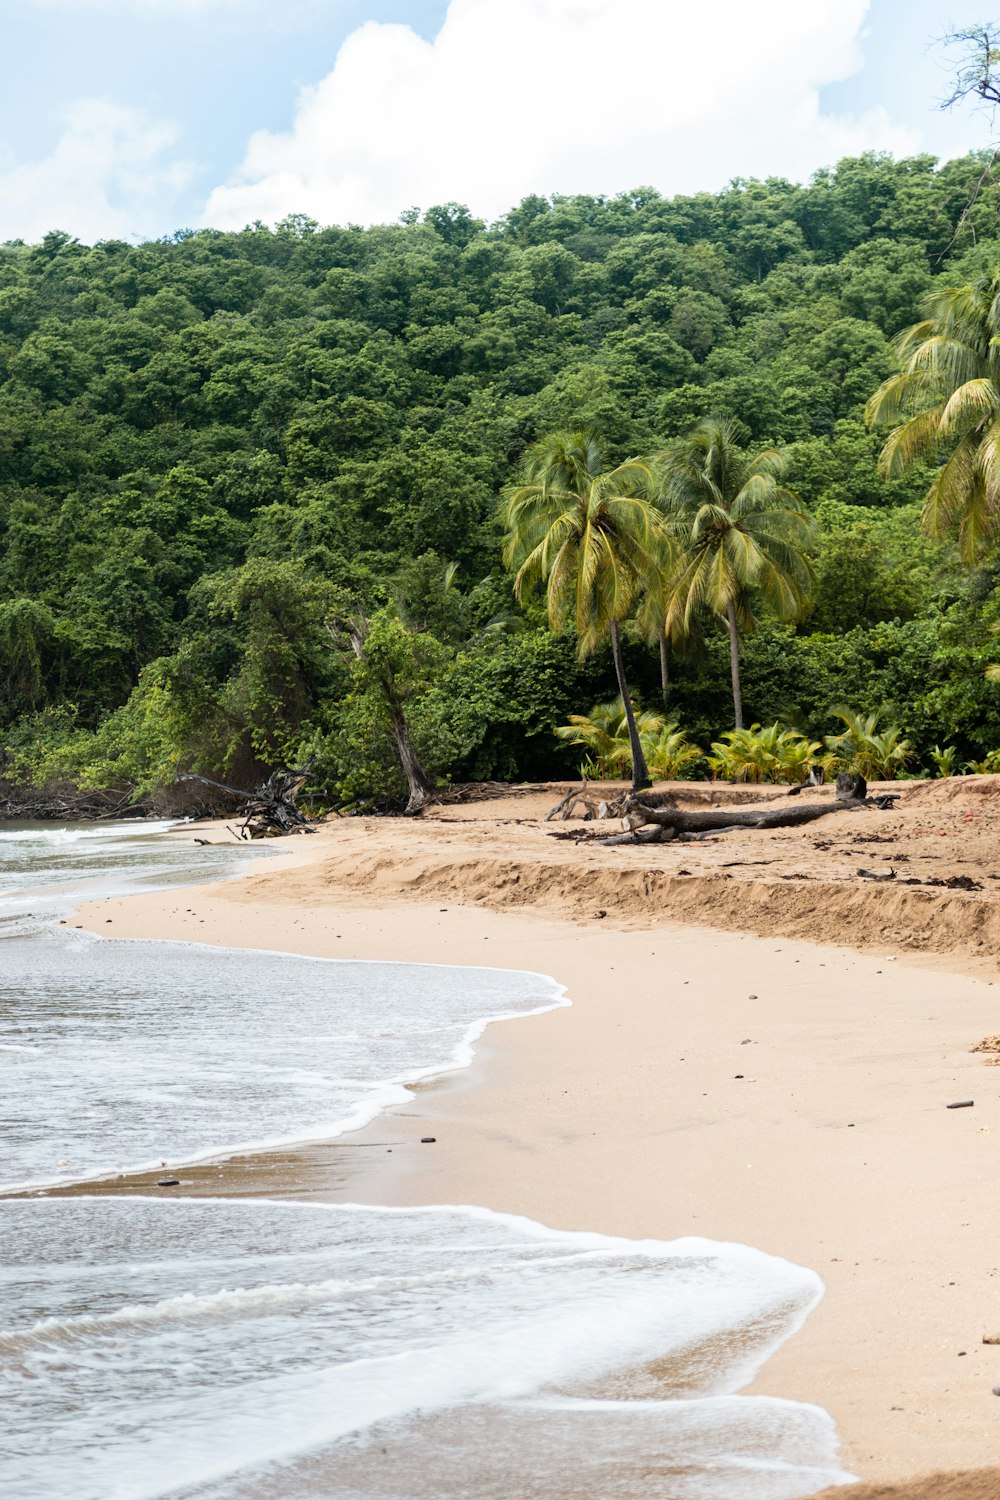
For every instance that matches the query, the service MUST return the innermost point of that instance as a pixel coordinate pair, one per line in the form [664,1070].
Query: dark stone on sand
[169,1182]
[961,1104]
[428,1140]
[996,1390]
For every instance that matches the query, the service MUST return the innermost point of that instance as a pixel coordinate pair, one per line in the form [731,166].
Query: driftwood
[270,810]
[594,805]
[648,824]
[68,804]
[582,801]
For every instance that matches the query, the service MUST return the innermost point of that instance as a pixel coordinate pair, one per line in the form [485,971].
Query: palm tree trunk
[664,668]
[640,775]
[734,664]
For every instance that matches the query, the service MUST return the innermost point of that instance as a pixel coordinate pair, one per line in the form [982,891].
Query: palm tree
[739,532]
[592,536]
[947,395]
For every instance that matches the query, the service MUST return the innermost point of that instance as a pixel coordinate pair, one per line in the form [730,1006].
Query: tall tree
[592,536]
[947,396]
[393,667]
[741,535]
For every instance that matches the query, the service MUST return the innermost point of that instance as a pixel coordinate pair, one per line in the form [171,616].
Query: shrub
[669,753]
[876,755]
[945,759]
[771,754]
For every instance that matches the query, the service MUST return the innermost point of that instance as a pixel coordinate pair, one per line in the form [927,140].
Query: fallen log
[646,824]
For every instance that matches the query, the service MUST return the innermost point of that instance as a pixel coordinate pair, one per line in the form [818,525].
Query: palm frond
[968,404]
[908,444]
[951,491]
[899,396]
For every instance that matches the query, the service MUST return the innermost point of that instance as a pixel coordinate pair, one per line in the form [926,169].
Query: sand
[731,1079]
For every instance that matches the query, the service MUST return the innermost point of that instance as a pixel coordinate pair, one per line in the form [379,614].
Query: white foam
[185,1381]
[78,833]
[125,1070]
[153,1347]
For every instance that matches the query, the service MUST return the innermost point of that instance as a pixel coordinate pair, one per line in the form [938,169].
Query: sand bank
[764,1089]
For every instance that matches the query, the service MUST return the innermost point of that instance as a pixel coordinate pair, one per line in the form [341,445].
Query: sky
[135,118]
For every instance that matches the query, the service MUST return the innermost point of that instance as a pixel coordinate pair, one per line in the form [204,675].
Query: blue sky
[137,117]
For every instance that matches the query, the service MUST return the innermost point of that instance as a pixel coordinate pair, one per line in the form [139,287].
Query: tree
[947,394]
[740,534]
[27,630]
[592,536]
[977,74]
[393,666]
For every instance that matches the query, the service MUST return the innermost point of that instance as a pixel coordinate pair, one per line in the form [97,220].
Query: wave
[133,1056]
[77,833]
[567,1341]
[229,1351]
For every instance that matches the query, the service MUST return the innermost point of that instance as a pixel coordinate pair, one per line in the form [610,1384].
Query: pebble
[169,1182]
[961,1104]
[996,1390]
[428,1140]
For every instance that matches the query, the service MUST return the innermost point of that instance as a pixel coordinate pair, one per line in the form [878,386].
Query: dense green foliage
[213,447]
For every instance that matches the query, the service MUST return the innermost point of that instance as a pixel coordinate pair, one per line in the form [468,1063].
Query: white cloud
[140,5]
[105,178]
[520,96]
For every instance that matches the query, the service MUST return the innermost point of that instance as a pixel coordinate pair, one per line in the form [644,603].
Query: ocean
[222,1348]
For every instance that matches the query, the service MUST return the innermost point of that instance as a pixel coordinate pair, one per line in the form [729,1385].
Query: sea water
[52,863]
[224,1349]
[121,1056]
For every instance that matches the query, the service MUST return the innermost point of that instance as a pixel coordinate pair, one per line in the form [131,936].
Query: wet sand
[780,1093]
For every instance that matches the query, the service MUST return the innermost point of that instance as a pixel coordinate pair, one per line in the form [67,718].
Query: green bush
[772,754]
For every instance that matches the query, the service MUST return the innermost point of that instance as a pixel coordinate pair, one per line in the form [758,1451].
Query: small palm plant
[765,754]
[876,755]
[669,753]
[945,759]
[604,733]
[988,766]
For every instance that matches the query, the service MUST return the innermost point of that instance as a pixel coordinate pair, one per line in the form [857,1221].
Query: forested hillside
[217,451]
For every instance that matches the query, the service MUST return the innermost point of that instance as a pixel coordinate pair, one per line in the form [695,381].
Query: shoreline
[589,1119]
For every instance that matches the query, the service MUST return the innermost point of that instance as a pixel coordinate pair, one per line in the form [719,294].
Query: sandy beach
[761,1047]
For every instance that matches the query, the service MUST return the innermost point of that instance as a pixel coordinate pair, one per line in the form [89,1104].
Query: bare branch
[978,72]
